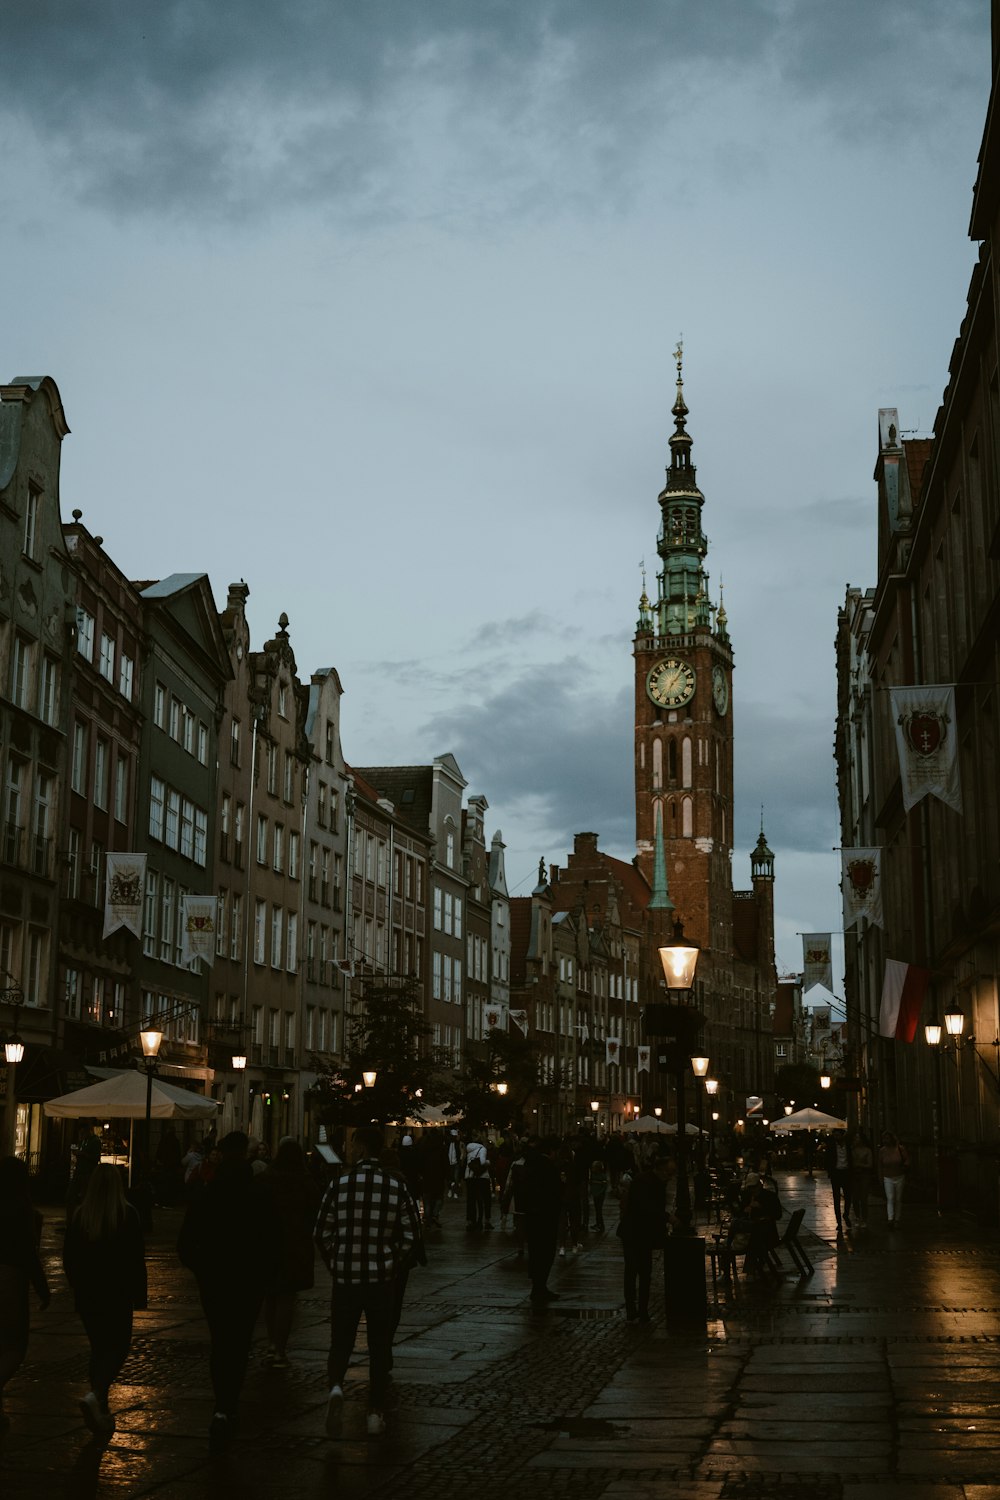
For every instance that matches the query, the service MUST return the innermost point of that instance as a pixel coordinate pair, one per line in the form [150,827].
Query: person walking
[456,1164]
[538,1198]
[862,1177]
[229,1239]
[511,1199]
[105,1263]
[837,1161]
[366,1229]
[478,1188]
[893,1161]
[642,1228]
[296,1199]
[20,1267]
[434,1176]
[598,1189]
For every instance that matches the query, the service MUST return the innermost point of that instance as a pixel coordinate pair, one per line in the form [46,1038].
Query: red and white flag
[903,991]
[494,1017]
[861,885]
[123,892]
[927,743]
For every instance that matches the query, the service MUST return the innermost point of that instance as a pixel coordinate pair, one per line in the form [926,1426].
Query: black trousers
[231,1313]
[840,1184]
[109,1330]
[638,1276]
[541,1240]
[380,1303]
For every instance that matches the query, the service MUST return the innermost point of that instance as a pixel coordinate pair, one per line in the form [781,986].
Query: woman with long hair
[20,1267]
[105,1263]
[296,1201]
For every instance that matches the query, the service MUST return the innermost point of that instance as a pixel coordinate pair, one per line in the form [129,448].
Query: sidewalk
[878,1372]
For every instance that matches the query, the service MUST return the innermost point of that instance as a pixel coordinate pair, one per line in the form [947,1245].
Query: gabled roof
[176,583]
[410,789]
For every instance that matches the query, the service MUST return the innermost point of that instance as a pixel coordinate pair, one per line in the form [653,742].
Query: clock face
[720,690]
[671,683]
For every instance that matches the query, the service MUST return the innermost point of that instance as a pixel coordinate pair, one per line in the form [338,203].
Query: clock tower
[683,716]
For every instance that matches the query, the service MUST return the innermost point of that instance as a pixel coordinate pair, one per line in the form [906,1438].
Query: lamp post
[712,1089]
[150,1036]
[684,1292]
[932,1036]
[595,1105]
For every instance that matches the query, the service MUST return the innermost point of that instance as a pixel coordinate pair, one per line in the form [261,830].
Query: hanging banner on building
[903,992]
[199,916]
[123,892]
[643,1066]
[520,1019]
[817,961]
[612,1049]
[861,885]
[494,1017]
[927,743]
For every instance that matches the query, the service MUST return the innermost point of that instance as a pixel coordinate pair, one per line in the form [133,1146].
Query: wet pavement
[879,1372]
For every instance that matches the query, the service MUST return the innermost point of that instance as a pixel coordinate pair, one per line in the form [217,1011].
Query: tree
[504,1057]
[389,1037]
[798,1081]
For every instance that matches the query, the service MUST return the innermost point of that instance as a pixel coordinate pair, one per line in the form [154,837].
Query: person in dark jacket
[296,1200]
[642,1228]
[229,1239]
[539,1199]
[20,1267]
[105,1264]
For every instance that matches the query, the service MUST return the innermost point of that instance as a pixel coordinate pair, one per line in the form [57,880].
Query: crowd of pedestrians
[252,1225]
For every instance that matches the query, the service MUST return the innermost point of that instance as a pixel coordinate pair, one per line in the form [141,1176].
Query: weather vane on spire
[679,355]
[642,570]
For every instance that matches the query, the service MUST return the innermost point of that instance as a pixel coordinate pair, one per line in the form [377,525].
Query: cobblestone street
[878,1372]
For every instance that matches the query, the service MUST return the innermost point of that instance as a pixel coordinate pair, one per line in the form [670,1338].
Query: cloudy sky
[371,303]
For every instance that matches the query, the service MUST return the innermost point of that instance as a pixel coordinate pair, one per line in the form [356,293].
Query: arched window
[686,761]
[657,762]
[673,819]
[672,761]
[688,818]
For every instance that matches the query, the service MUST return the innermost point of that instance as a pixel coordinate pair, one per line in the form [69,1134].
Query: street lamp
[825,1080]
[369,1075]
[13,1051]
[680,960]
[954,1023]
[150,1036]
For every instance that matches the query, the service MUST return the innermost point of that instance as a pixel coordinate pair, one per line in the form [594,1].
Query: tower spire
[660,899]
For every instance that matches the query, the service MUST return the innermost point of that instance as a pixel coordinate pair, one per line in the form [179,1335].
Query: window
[236,928]
[234,743]
[324,894]
[30,521]
[79,772]
[288,774]
[85,633]
[450,850]
[101,773]
[321,792]
[200,837]
[40,849]
[448,909]
[167,920]
[292,943]
[174,723]
[34,969]
[277,935]
[126,674]
[458,916]
[278,851]
[456,980]
[330,732]
[187,828]
[20,672]
[187,730]
[157,799]
[272,769]
[437,908]
[334,809]
[293,855]
[121,788]
[202,743]
[259,918]
[149,912]
[173,818]
[73,864]
[48,699]
[383,862]
[72,993]
[261,839]
[107,663]
[220,928]
[283,700]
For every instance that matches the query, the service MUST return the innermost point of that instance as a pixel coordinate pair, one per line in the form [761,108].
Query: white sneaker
[562,1250]
[376,1424]
[334,1411]
[90,1411]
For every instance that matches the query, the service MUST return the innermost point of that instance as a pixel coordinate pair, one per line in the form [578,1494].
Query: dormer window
[30,522]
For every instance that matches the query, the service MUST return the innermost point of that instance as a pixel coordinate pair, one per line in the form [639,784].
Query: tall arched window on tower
[688,818]
[686,761]
[673,819]
[657,763]
[672,761]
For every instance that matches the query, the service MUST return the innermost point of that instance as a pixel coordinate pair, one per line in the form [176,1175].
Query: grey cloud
[547,739]
[533,625]
[784,762]
[241,106]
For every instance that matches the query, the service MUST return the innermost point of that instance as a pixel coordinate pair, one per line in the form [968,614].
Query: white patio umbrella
[808,1119]
[123,1097]
[646,1124]
[257,1117]
[227,1120]
[689,1129]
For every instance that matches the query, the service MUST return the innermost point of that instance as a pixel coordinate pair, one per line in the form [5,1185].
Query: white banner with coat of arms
[817,961]
[612,1049]
[199,916]
[123,892]
[643,1065]
[494,1017]
[927,743]
[861,885]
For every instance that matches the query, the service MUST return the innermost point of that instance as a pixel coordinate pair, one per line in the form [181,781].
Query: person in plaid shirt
[366,1229]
